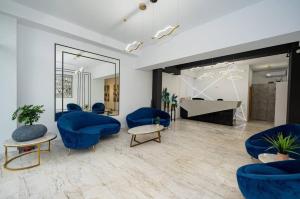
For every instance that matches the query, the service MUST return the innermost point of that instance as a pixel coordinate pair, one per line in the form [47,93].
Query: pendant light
[169,29]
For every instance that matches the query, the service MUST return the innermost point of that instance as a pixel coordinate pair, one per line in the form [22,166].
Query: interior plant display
[174,104]
[166,99]
[86,107]
[284,145]
[163,98]
[28,115]
[157,120]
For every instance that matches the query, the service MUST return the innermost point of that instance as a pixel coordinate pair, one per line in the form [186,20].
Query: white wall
[281,103]
[8,75]
[36,73]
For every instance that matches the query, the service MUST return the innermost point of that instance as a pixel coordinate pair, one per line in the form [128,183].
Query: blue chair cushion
[91,130]
[260,142]
[275,180]
[80,129]
[147,115]
[108,129]
[264,169]
[257,144]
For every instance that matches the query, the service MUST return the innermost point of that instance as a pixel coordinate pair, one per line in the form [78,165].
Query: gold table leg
[38,151]
[133,139]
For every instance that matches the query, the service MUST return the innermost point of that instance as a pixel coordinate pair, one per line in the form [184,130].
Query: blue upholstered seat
[276,180]
[98,108]
[80,129]
[145,116]
[73,107]
[256,144]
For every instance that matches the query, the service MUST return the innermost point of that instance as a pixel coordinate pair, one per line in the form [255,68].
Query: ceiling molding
[24,13]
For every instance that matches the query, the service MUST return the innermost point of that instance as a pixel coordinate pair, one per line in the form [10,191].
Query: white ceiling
[106,16]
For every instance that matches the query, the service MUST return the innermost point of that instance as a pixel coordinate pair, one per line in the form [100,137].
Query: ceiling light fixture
[165,32]
[133,46]
[142,6]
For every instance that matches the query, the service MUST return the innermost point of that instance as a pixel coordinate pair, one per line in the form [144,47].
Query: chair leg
[93,148]
[69,152]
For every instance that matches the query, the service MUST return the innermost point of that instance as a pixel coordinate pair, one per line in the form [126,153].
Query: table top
[145,129]
[268,157]
[47,137]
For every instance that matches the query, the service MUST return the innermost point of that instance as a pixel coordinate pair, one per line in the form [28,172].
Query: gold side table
[47,138]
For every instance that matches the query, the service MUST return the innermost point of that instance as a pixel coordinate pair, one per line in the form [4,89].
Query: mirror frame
[117,63]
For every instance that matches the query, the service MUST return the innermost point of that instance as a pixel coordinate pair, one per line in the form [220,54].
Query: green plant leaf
[28,114]
[283,144]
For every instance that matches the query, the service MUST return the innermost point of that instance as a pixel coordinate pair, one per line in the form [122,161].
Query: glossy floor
[194,160]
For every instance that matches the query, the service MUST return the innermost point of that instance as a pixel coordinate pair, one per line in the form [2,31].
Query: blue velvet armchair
[80,130]
[144,116]
[276,180]
[256,144]
[98,108]
[73,107]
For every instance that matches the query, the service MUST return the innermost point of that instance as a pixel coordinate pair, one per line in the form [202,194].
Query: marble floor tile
[195,160]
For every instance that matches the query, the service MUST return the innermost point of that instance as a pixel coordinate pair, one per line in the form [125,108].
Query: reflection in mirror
[85,81]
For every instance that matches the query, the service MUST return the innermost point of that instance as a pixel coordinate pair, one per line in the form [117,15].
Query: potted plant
[86,107]
[157,121]
[174,105]
[284,145]
[27,115]
[164,97]
[168,101]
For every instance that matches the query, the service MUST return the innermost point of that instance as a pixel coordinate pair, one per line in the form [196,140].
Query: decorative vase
[29,132]
[281,156]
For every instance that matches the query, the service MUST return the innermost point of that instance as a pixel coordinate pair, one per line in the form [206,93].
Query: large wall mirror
[86,81]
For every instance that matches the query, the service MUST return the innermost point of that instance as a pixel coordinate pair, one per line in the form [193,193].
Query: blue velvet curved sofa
[81,130]
[147,115]
[256,144]
[276,180]
[98,108]
[73,107]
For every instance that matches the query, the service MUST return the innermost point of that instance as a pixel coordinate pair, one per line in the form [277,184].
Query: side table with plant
[28,115]
[284,145]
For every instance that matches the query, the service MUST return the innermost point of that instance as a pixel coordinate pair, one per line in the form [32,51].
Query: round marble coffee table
[145,129]
[48,137]
[269,157]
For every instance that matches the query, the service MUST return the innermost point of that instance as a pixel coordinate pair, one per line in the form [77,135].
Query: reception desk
[219,112]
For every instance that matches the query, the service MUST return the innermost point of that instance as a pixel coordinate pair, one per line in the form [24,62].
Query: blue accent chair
[98,108]
[256,144]
[59,114]
[80,130]
[73,107]
[146,115]
[275,180]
